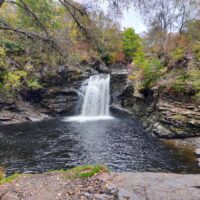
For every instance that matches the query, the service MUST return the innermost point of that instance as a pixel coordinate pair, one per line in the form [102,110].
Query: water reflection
[121,144]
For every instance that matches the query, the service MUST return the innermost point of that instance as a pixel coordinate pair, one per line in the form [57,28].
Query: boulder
[99,66]
[161,131]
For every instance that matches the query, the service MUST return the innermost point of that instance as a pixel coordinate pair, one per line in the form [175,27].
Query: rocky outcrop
[177,119]
[166,116]
[60,100]
[121,89]
[23,111]
[59,95]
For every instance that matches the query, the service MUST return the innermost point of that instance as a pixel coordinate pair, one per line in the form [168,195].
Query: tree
[131,43]
[39,14]
[192,30]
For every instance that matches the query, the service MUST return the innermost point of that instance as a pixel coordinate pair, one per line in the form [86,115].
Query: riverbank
[102,186]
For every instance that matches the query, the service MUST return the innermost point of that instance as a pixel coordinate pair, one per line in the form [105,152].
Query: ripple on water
[120,142]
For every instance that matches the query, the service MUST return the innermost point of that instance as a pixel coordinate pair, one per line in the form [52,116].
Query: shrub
[177,54]
[196,51]
[75,59]
[11,83]
[34,84]
[152,72]
[179,86]
[149,69]
[12,47]
[3,58]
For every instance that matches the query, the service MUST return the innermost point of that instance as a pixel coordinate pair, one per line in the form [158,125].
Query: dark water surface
[121,144]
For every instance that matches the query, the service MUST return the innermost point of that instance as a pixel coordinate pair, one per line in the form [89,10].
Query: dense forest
[38,36]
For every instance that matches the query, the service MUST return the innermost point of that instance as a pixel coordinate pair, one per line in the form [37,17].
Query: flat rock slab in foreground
[158,186]
[123,186]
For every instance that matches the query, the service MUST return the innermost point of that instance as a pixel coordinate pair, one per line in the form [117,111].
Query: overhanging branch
[72,11]
[31,35]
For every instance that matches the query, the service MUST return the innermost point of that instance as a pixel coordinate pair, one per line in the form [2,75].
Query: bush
[12,47]
[34,84]
[194,79]
[12,81]
[184,83]
[196,51]
[149,69]
[179,86]
[152,72]
[177,54]
[3,58]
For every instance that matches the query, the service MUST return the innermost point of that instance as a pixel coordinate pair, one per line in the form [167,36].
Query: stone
[158,186]
[195,122]
[161,131]
[99,66]
[197,152]
[118,82]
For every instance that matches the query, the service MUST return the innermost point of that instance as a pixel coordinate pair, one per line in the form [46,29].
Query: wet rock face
[59,100]
[117,84]
[167,117]
[99,66]
[59,95]
[72,78]
[121,90]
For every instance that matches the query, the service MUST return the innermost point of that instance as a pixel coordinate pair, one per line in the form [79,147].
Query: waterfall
[97,96]
[96,99]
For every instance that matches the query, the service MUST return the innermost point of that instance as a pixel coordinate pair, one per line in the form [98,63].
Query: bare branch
[72,12]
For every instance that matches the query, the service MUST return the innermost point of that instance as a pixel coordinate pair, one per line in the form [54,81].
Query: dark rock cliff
[167,116]
[59,95]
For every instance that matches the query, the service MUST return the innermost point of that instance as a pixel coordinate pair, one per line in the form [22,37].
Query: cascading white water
[96,92]
[97,96]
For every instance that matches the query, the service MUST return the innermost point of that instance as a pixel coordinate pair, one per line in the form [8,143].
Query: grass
[8,179]
[180,82]
[85,171]
[81,172]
